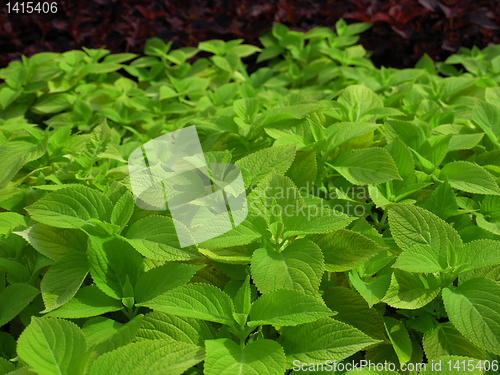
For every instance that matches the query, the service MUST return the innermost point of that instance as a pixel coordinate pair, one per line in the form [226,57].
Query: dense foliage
[374,211]
[403,30]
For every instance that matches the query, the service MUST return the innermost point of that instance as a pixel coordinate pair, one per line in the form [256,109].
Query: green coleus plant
[373,226]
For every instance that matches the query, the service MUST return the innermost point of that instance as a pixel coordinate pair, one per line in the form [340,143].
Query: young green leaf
[299,266]
[225,357]
[53,346]
[313,219]
[487,116]
[285,307]
[478,254]
[367,166]
[359,99]
[344,250]
[14,299]
[10,221]
[411,226]
[373,290]
[160,279]
[199,301]
[18,151]
[155,238]
[411,291]
[55,243]
[88,301]
[112,261]
[261,163]
[400,340]
[63,279]
[474,309]
[121,335]
[325,339]
[250,230]
[72,207]
[123,207]
[419,258]
[470,178]
[446,340]
[160,326]
[157,356]
[352,309]
[243,298]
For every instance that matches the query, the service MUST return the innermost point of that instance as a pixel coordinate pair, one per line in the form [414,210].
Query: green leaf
[373,290]
[163,278]
[323,340]
[160,326]
[312,219]
[341,132]
[155,238]
[52,346]
[487,116]
[10,221]
[123,207]
[112,262]
[403,158]
[419,258]
[100,68]
[233,255]
[104,335]
[464,141]
[157,356]
[246,108]
[5,366]
[367,166]
[14,299]
[88,301]
[352,309]
[52,103]
[299,266]
[243,298]
[284,307]
[411,226]
[411,291]
[225,357]
[63,279]
[470,178]
[17,273]
[256,166]
[55,243]
[17,152]
[250,230]
[442,201]
[344,250]
[96,144]
[303,170]
[400,340]
[474,309]
[478,254]
[359,99]
[446,340]
[199,301]
[73,207]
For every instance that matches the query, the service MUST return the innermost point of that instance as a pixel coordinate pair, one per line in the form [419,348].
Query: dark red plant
[403,30]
